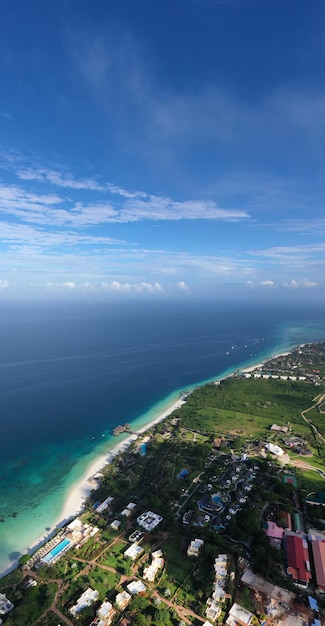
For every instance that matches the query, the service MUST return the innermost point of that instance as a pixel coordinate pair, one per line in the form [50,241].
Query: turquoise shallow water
[68,378]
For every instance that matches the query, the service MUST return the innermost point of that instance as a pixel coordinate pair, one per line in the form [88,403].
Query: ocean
[70,372]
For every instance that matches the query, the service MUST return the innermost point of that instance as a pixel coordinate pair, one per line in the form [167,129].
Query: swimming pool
[56,551]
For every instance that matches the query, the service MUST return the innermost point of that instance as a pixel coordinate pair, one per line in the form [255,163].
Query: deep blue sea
[69,373]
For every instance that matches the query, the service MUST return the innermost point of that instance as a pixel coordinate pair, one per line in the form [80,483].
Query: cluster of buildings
[72,536]
[217,509]
[157,563]
[127,511]
[218,595]
[305,553]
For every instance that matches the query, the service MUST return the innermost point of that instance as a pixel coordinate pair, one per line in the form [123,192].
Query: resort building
[104,505]
[298,558]
[157,563]
[318,550]
[86,599]
[195,547]
[149,520]
[115,524]
[78,532]
[238,616]
[133,552]
[220,566]
[5,604]
[126,512]
[213,610]
[135,587]
[122,600]
[106,613]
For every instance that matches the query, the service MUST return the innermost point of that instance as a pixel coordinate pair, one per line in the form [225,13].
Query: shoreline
[79,491]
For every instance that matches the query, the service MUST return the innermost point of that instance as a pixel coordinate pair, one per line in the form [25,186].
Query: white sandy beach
[80,491]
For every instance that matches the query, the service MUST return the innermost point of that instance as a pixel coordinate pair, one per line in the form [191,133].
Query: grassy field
[248,407]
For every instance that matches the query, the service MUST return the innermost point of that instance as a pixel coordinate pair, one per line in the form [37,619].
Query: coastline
[78,491]
[81,490]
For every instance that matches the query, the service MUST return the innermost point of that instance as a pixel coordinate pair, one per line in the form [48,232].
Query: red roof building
[318,548]
[298,558]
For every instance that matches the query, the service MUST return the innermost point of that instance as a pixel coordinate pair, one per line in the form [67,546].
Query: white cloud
[309,283]
[69,284]
[4,283]
[141,287]
[160,208]
[267,283]
[302,283]
[183,286]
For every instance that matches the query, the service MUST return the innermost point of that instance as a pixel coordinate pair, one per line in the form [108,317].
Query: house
[86,599]
[122,600]
[103,506]
[238,616]
[133,552]
[281,429]
[115,524]
[157,563]
[106,613]
[213,610]
[195,547]
[135,587]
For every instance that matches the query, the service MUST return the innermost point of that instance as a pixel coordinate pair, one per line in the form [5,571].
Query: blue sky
[168,147]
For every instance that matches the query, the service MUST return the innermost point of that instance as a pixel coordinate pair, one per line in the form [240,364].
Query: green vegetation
[32,604]
[216,423]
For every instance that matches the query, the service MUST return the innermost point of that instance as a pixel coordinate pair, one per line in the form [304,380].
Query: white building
[5,604]
[213,610]
[86,599]
[135,587]
[106,613]
[195,547]
[122,600]
[133,552]
[274,449]
[157,563]
[239,615]
[149,520]
[116,524]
